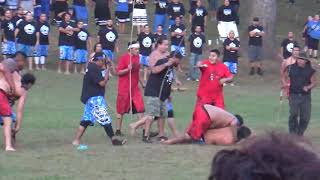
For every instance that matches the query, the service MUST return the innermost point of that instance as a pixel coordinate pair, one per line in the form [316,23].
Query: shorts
[108,53]
[8,48]
[27,49]
[66,53]
[160,19]
[233,67]
[80,56]
[213,4]
[255,53]
[170,109]
[155,107]
[181,50]
[139,17]
[13,118]
[5,108]
[313,43]
[12,4]
[37,11]
[122,17]
[42,50]
[201,122]
[81,13]
[96,109]
[144,60]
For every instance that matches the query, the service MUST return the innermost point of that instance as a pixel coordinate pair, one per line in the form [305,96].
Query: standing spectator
[27,36]
[108,37]
[175,9]
[255,47]
[226,13]
[27,5]
[230,56]
[97,48]
[82,43]
[19,16]
[146,42]
[213,7]
[178,32]
[160,15]
[60,7]
[42,49]
[159,34]
[139,14]
[81,11]
[213,75]
[198,16]
[305,35]
[314,36]
[122,14]
[287,46]
[197,41]
[73,18]
[67,30]
[101,12]
[7,31]
[302,80]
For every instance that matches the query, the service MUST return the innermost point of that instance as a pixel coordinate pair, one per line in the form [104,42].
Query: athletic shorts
[181,50]
[108,53]
[313,43]
[201,122]
[155,107]
[66,53]
[27,49]
[80,56]
[96,109]
[139,17]
[8,48]
[81,13]
[122,17]
[255,53]
[233,67]
[144,60]
[42,50]
[5,108]
[13,118]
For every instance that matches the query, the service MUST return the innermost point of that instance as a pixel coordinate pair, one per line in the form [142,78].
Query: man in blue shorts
[82,43]
[108,37]
[230,56]
[178,32]
[96,108]
[42,49]
[7,31]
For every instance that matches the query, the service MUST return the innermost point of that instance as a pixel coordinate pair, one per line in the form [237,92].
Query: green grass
[53,111]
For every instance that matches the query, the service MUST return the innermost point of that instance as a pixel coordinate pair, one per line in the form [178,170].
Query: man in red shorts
[213,75]
[213,125]
[123,100]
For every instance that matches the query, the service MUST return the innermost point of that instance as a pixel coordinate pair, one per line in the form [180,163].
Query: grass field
[53,112]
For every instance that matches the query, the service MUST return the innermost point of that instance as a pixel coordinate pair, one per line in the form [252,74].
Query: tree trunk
[266,10]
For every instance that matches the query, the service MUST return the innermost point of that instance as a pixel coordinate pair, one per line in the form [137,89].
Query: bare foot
[132,130]
[10,149]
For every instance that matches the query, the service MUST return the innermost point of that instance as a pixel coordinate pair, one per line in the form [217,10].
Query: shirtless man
[9,68]
[213,125]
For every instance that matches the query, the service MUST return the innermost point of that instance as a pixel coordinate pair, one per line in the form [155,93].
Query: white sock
[36,60]
[42,60]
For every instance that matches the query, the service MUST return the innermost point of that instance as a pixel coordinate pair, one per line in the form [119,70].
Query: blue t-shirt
[122,6]
[314,29]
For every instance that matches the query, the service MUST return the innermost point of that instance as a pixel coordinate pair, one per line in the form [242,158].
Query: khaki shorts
[155,107]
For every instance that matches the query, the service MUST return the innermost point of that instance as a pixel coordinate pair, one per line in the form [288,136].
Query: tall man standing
[302,79]
[287,46]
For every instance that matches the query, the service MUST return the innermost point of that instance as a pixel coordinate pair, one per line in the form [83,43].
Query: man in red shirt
[214,75]
[125,67]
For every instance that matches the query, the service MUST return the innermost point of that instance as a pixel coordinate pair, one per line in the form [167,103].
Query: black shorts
[60,6]
[170,115]
[122,17]
[313,43]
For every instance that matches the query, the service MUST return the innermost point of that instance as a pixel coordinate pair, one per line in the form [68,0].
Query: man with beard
[108,37]
[287,46]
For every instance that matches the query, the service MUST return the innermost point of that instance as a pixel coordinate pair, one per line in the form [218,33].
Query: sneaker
[117,142]
[252,72]
[146,139]
[259,72]
[118,133]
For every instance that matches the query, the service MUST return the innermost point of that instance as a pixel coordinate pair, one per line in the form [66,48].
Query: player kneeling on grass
[22,85]
[42,49]
[96,108]
[213,125]
[82,42]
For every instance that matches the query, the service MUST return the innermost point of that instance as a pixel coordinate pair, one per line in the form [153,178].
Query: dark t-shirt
[156,36]
[175,10]
[198,15]
[300,77]
[17,20]
[287,46]
[235,2]
[81,39]
[44,29]
[161,6]
[226,14]
[8,28]
[79,2]
[175,40]
[101,3]
[230,56]
[91,87]
[108,38]
[27,33]
[256,40]
[140,4]
[155,81]
[145,41]
[65,39]
[196,43]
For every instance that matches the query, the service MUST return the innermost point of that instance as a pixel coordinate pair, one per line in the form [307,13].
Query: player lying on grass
[22,85]
[213,125]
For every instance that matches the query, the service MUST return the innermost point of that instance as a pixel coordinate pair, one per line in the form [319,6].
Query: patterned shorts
[96,109]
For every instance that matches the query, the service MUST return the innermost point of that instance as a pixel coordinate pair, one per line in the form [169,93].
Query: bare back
[223,136]
[219,117]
